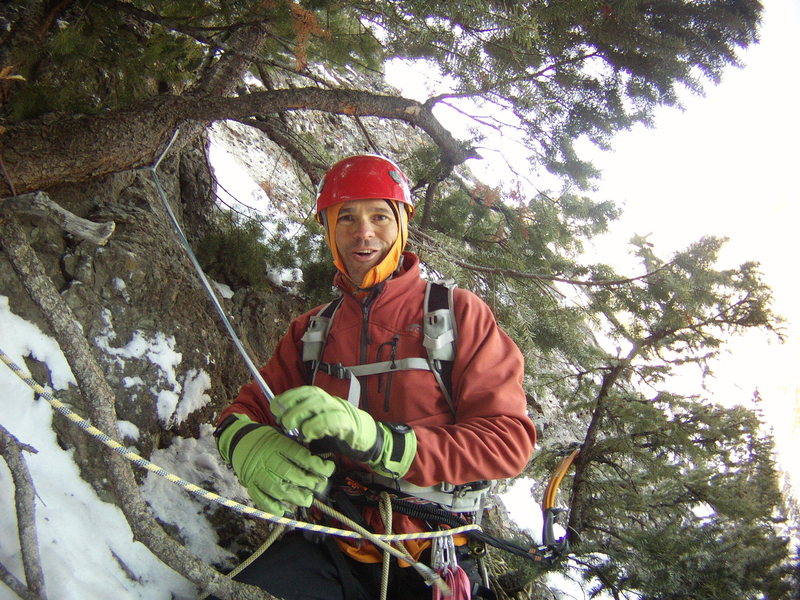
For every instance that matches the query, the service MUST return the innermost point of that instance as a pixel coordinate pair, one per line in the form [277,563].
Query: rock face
[138,300]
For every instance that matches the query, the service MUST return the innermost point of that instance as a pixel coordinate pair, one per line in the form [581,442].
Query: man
[399,425]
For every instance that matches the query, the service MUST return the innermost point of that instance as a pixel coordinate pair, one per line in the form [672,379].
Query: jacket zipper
[393,356]
[365,341]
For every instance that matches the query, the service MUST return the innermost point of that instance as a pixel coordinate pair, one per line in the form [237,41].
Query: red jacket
[491,436]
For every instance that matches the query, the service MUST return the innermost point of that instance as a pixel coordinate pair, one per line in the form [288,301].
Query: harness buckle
[337,370]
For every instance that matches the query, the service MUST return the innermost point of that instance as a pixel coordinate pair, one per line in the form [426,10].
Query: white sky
[727,166]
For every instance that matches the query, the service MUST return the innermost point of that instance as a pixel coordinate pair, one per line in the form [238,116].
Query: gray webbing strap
[440,335]
[455,498]
[316,336]
[387,366]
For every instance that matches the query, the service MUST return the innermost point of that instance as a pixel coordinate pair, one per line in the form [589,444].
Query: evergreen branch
[515,274]
[621,472]
[172,23]
[580,482]
[199,34]
[54,10]
[492,86]
[222,76]
[609,585]
[610,533]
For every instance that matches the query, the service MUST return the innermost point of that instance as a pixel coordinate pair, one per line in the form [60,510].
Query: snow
[80,556]
[194,394]
[223,290]
[193,460]
[523,510]
[174,402]
[128,430]
[236,188]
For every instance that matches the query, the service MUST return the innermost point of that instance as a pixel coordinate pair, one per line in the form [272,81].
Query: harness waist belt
[467,497]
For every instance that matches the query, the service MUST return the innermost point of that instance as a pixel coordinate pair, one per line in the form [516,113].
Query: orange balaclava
[390,263]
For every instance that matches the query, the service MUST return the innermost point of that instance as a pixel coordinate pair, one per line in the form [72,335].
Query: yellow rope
[195,490]
[386,516]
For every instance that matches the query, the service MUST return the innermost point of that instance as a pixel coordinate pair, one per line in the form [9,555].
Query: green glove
[278,472]
[388,448]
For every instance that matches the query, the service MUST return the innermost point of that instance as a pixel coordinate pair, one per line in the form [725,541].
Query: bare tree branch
[39,204]
[25,504]
[15,585]
[283,137]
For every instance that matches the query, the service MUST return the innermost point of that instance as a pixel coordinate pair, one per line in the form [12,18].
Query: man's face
[365,232]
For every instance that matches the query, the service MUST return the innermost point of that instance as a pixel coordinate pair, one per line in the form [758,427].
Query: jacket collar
[398,282]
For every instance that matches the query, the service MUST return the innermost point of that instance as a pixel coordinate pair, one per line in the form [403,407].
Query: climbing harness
[439,337]
[468,497]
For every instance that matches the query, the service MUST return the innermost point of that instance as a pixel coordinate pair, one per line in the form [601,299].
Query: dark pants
[295,568]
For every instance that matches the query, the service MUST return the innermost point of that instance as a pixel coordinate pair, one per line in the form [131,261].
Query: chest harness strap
[439,336]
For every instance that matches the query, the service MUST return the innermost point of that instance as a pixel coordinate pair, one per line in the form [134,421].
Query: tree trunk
[580,481]
[56,150]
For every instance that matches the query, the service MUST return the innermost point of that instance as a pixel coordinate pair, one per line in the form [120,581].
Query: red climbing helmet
[363,177]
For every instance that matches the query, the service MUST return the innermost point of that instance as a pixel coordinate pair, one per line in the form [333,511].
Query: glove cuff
[230,432]
[397,451]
